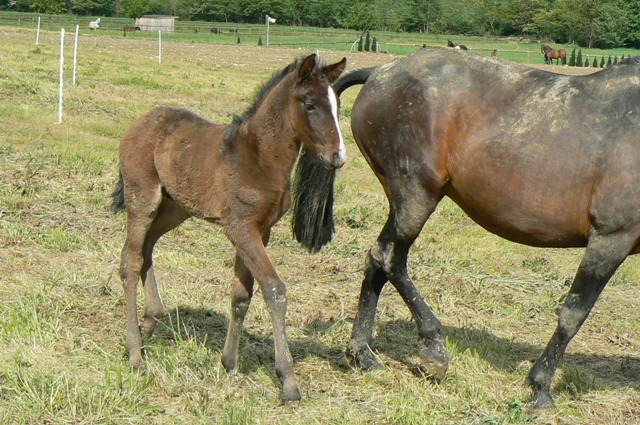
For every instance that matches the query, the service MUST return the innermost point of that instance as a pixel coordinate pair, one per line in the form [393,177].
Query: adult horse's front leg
[251,250]
[603,256]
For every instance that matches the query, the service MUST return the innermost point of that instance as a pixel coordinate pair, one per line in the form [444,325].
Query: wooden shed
[153,23]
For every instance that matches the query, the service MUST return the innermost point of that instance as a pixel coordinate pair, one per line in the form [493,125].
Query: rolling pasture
[62,317]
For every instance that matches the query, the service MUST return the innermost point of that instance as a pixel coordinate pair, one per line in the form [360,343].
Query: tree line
[589,23]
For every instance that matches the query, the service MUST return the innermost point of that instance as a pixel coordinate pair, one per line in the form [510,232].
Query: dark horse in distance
[537,158]
[550,54]
[175,165]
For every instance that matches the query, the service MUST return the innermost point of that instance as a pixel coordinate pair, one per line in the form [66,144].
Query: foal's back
[178,153]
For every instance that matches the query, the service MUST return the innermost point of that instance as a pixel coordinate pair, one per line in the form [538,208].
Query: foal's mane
[260,94]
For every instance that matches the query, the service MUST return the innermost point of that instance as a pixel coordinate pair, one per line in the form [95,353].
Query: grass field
[513,48]
[62,319]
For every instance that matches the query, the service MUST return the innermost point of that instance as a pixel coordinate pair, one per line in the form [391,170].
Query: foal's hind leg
[169,217]
[603,256]
[141,211]
[241,294]
[388,260]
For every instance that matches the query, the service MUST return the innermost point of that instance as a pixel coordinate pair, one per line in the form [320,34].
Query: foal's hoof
[229,364]
[290,394]
[135,362]
[361,356]
[434,359]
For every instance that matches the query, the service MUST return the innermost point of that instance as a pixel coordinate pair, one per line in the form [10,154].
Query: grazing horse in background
[550,54]
[456,46]
[127,29]
[175,165]
[94,25]
[538,158]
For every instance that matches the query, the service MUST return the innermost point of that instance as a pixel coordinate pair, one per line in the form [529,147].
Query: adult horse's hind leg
[388,260]
[359,348]
[603,256]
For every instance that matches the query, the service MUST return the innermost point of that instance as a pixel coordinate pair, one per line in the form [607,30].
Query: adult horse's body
[175,164]
[537,158]
[550,54]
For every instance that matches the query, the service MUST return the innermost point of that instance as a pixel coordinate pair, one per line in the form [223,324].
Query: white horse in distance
[94,25]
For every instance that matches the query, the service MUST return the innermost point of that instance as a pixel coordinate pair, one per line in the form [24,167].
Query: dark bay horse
[537,158]
[551,54]
[175,165]
[453,45]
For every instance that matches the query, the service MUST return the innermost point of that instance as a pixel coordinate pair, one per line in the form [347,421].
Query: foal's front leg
[250,248]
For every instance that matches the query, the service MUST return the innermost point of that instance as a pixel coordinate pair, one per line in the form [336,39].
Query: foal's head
[315,112]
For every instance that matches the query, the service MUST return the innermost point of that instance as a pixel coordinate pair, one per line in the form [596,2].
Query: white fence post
[159,46]
[75,55]
[61,73]
[38,33]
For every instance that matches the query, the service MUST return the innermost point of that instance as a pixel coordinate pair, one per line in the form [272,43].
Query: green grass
[62,320]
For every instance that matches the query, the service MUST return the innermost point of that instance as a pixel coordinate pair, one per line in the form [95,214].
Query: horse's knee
[275,294]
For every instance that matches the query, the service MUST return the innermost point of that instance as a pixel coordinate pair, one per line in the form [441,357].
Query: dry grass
[61,317]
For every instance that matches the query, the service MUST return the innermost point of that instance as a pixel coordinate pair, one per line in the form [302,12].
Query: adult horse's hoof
[541,401]
[434,359]
[361,356]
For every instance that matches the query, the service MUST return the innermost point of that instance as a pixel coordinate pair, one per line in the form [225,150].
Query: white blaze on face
[333,101]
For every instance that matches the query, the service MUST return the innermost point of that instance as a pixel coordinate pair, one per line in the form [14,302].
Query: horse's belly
[529,217]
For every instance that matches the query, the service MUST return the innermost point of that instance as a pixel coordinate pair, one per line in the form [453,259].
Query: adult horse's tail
[312,188]
[359,76]
[117,196]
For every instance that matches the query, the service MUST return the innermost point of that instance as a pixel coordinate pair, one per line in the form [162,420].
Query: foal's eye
[310,107]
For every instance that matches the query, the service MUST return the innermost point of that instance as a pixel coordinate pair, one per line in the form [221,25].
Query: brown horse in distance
[453,45]
[550,54]
[175,165]
[493,136]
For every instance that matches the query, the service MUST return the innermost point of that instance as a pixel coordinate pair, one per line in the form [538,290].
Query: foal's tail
[117,196]
[312,188]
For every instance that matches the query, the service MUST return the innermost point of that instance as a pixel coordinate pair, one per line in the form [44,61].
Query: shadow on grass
[256,350]
[398,339]
[594,371]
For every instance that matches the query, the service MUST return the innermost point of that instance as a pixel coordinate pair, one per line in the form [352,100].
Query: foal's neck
[272,132]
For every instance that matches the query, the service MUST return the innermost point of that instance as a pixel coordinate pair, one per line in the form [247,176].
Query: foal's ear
[333,71]
[308,68]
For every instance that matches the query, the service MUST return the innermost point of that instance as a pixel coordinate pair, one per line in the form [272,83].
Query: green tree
[572,58]
[423,13]
[52,7]
[591,22]
[93,7]
[133,8]
[579,60]
[520,15]
[360,16]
